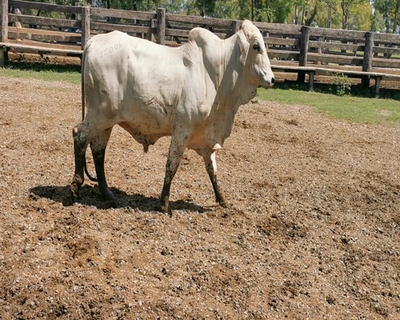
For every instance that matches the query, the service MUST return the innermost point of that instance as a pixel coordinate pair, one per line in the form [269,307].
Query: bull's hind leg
[80,144]
[98,146]
[211,167]
[176,150]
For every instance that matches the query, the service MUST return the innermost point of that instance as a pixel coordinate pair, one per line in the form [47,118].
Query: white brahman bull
[191,93]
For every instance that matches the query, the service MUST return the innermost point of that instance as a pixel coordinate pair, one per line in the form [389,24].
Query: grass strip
[356,109]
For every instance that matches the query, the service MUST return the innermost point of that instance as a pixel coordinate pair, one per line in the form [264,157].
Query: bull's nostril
[273,80]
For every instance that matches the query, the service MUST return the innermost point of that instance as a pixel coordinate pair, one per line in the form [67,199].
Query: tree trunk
[329,16]
[345,14]
[108,7]
[312,16]
[387,21]
[396,16]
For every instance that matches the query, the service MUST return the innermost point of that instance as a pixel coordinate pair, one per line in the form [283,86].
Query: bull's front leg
[211,167]
[176,150]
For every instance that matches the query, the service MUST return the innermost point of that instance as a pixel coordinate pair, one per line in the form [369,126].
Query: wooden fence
[27,27]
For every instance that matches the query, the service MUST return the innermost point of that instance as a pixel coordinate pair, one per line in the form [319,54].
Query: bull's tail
[91,178]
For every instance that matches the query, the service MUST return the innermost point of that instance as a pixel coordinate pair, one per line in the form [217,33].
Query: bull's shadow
[90,196]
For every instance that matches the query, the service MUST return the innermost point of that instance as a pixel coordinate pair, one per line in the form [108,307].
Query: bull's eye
[256,47]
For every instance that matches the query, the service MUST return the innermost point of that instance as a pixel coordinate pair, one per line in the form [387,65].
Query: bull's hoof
[108,195]
[166,210]
[73,193]
[165,207]
[223,204]
[109,198]
[70,199]
[220,199]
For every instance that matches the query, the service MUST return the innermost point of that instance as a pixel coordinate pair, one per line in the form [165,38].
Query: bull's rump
[134,81]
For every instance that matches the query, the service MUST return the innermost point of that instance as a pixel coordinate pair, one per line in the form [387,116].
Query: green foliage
[348,14]
[351,14]
[340,84]
[390,10]
[280,10]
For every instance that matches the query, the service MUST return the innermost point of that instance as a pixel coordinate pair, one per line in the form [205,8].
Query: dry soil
[312,231]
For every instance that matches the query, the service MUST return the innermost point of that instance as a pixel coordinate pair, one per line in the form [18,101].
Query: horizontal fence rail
[70,27]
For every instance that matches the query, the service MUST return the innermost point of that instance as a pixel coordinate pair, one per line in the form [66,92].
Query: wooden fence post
[85,24]
[4,32]
[3,57]
[305,38]
[152,25]
[4,21]
[235,26]
[368,55]
[320,50]
[161,26]
[16,11]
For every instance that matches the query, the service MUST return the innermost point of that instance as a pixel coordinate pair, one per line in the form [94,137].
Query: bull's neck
[232,88]
[231,82]
[228,56]
[230,78]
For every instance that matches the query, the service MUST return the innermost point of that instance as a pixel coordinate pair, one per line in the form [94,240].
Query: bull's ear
[244,47]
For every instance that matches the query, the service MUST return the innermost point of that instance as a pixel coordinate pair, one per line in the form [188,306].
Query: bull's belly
[144,137]
[146,125]
[146,121]
[148,117]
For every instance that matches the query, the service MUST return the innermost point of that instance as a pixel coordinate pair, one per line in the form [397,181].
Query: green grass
[43,72]
[356,109]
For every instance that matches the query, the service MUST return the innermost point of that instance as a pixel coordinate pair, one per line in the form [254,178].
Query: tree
[205,7]
[352,14]
[346,6]
[227,9]
[361,17]
[280,10]
[390,9]
[266,10]
[331,5]
[307,11]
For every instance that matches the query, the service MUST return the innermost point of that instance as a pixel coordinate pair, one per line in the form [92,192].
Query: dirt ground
[312,231]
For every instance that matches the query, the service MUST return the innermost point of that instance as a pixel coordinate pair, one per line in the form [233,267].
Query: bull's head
[254,55]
